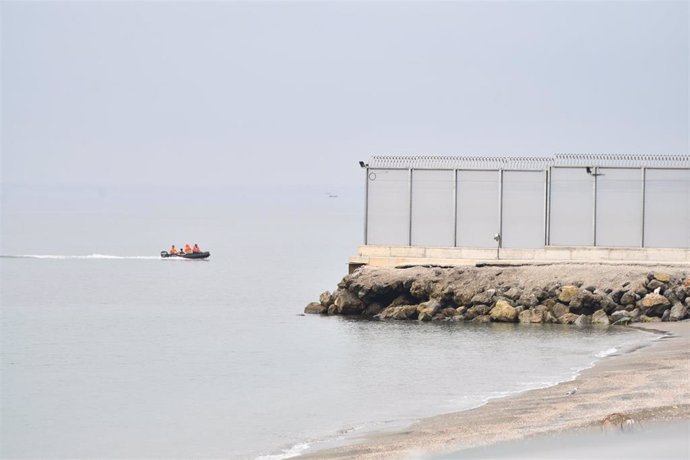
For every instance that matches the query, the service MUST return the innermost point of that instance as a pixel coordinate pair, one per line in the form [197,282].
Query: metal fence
[567,200]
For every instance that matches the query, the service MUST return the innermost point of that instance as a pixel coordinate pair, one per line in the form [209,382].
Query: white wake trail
[90,256]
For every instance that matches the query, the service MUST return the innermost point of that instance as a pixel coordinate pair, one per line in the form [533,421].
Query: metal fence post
[594,220]
[409,229]
[546,206]
[644,191]
[500,208]
[366,205]
[455,207]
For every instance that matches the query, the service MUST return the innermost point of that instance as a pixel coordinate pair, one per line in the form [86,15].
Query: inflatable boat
[190,255]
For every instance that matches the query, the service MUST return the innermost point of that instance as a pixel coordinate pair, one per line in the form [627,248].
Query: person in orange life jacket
[173,249]
[196,248]
[187,249]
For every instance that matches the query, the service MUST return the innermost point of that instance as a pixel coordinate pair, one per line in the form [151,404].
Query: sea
[107,350]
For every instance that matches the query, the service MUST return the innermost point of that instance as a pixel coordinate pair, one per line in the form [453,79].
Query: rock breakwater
[565,294]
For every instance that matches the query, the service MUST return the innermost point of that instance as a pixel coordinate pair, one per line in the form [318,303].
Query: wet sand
[649,384]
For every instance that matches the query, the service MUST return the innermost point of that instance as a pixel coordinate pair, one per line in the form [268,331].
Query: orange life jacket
[173,250]
[196,248]
[187,248]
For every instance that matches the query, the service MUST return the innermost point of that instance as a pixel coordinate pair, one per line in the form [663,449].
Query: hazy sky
[137,93]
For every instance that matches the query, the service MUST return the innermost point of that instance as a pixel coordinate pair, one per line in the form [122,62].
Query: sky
[221,93]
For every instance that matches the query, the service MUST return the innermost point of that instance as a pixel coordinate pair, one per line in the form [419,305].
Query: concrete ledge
[392,256]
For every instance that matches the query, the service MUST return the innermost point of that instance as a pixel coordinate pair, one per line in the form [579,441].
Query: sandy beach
[648,385]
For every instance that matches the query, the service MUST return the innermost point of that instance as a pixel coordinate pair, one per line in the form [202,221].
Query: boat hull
[191,255]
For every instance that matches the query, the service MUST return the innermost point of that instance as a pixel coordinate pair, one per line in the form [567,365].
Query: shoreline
[647,384]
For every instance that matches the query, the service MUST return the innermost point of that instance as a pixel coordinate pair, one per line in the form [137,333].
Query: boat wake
[90,256]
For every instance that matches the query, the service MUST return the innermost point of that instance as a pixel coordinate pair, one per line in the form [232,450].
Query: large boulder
[484,297]
[639,287]
[656,284]
[477,310]
[420,289]
[408,311]
[373,309]
[513,293]
[655,304]
[503,312]
[448,312]
[427,310]
[315,308]
[400,312]
[567,318]
[424,316]
[617,315]
[606,303]
[326,299]
[662,277]
[528,300]
[482,319]
[628,298]
[567,293]
[464,296]
[559,310]
[617,294]
[531,316]
[654,300]
[600,317]
[346,303]
[552,289]
[584,303]
[678,312]
[583,320]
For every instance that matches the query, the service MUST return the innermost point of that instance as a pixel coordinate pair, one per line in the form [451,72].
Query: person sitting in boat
[173,249]
[196,248]
[187,249]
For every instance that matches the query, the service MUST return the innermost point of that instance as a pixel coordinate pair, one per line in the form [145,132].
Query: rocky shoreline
[561,293]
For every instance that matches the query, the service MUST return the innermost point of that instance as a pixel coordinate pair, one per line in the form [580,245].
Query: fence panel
[619,207]
[523,209]
[389,207]
[477,203]
[432,208]
[572,207]
[667,208]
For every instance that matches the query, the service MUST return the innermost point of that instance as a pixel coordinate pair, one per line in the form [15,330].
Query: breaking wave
[605,353]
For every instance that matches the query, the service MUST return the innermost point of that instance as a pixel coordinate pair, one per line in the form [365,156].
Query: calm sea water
[109,351]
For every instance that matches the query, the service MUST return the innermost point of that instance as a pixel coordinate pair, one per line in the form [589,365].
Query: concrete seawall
[396,256]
